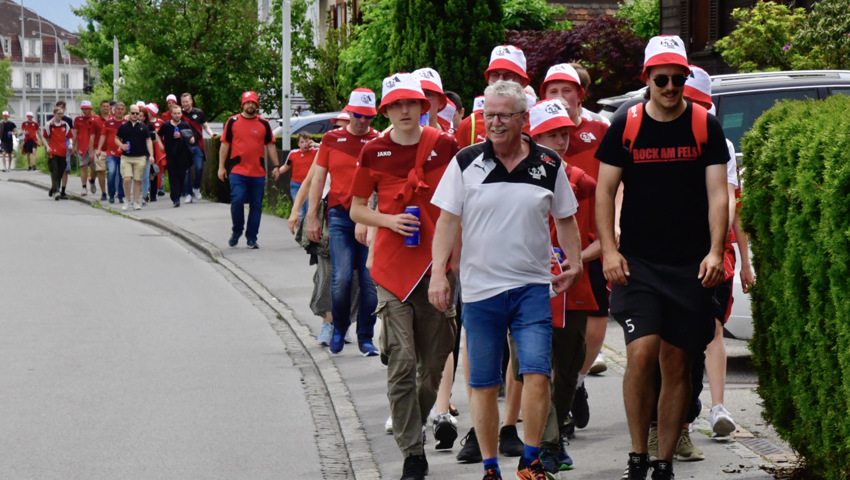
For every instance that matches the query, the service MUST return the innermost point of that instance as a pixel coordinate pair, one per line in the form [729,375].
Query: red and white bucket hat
[478,104]
[362,102]
[448,112]
[343,115]
[401,86]
[549,115]
[508,57]
[563,72]
[664,50]
[698,86]
[431,81]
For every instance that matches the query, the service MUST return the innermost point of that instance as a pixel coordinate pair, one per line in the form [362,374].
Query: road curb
[362,463]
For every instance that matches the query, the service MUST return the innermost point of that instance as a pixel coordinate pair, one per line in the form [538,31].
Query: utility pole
[114,69]
[23,62]
[286,66]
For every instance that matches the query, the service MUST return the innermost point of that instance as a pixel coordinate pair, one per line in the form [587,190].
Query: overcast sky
[57,11]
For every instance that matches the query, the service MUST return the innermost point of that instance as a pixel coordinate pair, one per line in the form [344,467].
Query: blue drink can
[128,147]
[413,241]
[559,254]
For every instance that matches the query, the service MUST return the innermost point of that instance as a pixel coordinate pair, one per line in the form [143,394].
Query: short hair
[583,76]
[60,103]
[304,135]
[455,98]
[121,104]
[104,101]
[504,88]
[178,107]
[58,109]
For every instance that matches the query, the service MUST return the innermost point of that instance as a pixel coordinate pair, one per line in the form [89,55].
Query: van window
[318,126]
[738,112]
[841,90]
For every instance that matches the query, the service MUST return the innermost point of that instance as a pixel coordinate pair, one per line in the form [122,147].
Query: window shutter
[685,22]
[713,22]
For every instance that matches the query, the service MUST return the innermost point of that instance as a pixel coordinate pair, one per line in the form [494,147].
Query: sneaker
[388,425]
[160,193]
[111,199]
[685,449]
[662,470]
[120,199]
[126,206]
[568,429]
[470,452]
[137,206]
[549,461]
[93,187]
[56,197]
[325,334]
[565,462]
[368,350]
[532,471]
[581,410]
[722,424]
[445,431]
[509,443]
[84,192]
[252,244]
[234,239]
[638,467]
[598,366]
[348,338]
[197,192]
[415,468]
[103,197]
[144,200]
[652,443]
[176,203]
[453,410]
[336,341]
[492,475]
[187,198]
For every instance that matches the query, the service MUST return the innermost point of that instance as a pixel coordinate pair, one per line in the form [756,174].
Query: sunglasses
[661,80]
[135,113]
[367,117]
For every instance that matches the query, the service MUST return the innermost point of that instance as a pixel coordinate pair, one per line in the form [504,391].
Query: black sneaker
[638,467]
[581,410]
[62,196]
[234,239]
[662,470]
[445,432]
[470,451]
[254,245]
[509,443]
[453,410]
[492,475]
[568,430]
[415,468]
[51,192]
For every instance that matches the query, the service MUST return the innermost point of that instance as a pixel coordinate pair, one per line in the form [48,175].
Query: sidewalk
[279,273]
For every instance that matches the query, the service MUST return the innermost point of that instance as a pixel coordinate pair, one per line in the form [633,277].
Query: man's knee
[643,352]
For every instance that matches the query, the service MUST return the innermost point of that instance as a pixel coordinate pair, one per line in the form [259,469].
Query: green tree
[824,36]
[645,16]
[320,85]
[455,37]
[6,91]
[762,40]
[532,15]
[366,60]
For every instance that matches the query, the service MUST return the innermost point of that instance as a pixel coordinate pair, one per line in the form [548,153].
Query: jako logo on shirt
[384,154]
[341,139]
[537,172]
[587,137]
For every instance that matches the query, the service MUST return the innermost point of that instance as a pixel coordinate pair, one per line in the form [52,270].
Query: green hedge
[796,207]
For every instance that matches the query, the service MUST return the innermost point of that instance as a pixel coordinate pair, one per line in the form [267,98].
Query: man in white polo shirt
[501,192]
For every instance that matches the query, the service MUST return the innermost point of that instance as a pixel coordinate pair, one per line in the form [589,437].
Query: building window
[65,81]
[33,47]
[33,80]
[6,45]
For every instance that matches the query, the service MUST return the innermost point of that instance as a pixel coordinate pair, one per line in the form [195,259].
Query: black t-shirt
[175,147]
[6,129]
[665,201]
[138,136]
[196,119]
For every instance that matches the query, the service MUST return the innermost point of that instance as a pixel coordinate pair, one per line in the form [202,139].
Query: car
[317,123]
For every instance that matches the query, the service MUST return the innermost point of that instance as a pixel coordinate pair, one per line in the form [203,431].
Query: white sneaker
[197,193]
[188,198]
[722,424]
[126,206]
[84,193]
[388,425]
[598,366]
[137,206]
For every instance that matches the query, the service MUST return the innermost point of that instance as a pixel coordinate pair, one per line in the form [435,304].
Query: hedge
[796,207]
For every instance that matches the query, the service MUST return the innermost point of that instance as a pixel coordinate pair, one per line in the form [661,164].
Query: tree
[366,60]
[762,40]
[320,85]
[825,37]
[532,15]
[6,91]
[645,16]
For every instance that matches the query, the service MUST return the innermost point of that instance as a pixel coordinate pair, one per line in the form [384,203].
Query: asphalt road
[124,354]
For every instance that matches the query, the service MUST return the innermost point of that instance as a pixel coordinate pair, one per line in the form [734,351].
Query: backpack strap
[699,125]
[634,116]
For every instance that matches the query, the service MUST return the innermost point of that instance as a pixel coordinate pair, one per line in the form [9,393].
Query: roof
[10,26]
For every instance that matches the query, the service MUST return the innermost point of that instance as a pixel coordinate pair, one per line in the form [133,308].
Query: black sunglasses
[358,115]
[678,80]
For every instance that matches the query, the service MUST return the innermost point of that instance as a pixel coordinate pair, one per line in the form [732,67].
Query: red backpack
[634,116]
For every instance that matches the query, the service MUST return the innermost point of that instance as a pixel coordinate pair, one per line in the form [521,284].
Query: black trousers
[56,165]
[177,166]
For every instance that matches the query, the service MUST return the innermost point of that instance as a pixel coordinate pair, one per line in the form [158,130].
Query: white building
[47,72]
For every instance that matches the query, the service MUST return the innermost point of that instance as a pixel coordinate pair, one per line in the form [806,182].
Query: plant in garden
[763,38]
[645,16]
[6,91]
[319,86]
[825,37]
[366,60]
[532,15]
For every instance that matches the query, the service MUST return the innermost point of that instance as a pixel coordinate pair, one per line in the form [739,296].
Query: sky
[57,11]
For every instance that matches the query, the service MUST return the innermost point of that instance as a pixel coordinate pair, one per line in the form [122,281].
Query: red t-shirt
[248,138]
[584,140]
[30,128]
[83,125]
[96,129]
[301,162]
[384,166]
[464,130]
[158,154]
[56,135]
[338,153]
[110,128]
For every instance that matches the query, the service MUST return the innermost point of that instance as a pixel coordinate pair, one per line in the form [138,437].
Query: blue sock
[492,464]
[531,453]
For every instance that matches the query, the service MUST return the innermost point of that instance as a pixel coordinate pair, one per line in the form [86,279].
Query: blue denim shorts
[526,312]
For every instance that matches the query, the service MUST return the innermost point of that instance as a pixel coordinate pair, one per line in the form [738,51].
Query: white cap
[153,108]
[549,115]
[530,99]
[478,104]
[431,81]
[508,57]
[564,72]
[448,112]
[402,86]
[341,116]
[664,50]
[85,104]
[29,114]
[698,86]
[140,103]
[172,98]
[362,102]
[5,113]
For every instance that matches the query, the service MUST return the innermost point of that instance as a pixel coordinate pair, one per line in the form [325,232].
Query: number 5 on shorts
[630,325]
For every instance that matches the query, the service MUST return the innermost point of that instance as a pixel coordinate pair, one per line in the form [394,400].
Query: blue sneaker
[337,341]
[234,239]
[564,460]
[253,244]
[550,463]
[368,350]
[111,199]
[324,338]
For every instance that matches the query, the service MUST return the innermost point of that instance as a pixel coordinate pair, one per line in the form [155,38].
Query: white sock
[580,382]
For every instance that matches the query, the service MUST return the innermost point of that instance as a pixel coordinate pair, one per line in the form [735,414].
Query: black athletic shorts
[722,300]
[30,146]
[599,286]
[6,145]
[665,300]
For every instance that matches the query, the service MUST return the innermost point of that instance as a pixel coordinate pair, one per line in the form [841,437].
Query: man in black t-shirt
[175,139]
[198,121]
[134,139]
[7,130]
[670,256]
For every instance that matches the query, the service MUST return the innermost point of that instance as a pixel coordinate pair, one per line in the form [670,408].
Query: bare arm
[300,198]
[570,240]
[223,155]
[403,224]
[439,291]
[206,128]
[614,266]
[747,277]
[731,190]
[149,144]
[711,269]
[314,229]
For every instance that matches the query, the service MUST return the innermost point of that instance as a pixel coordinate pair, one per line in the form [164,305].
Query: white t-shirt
[505,216]
[731,165]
